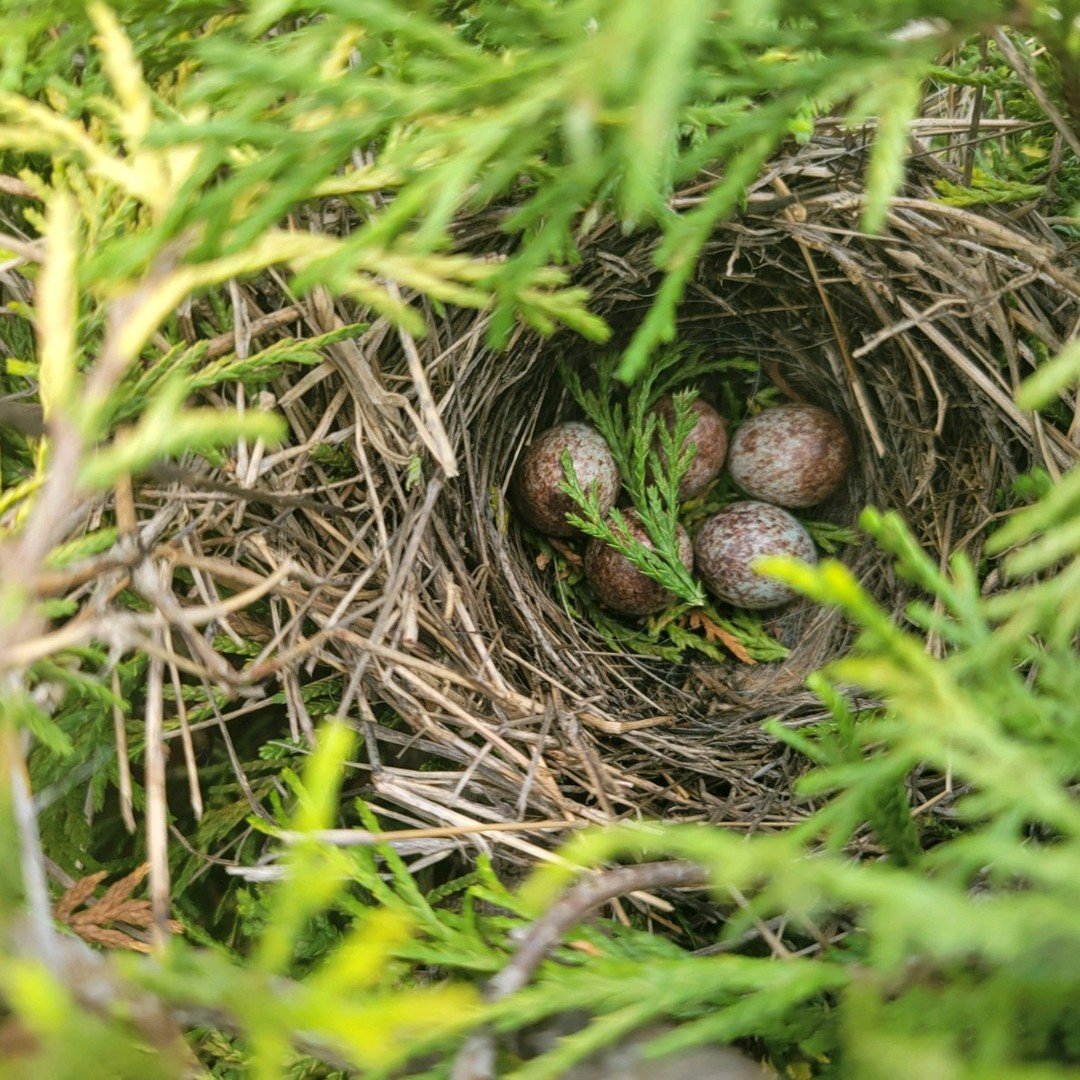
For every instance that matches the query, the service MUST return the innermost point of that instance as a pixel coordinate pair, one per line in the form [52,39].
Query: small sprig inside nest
[653,483]
[651,456]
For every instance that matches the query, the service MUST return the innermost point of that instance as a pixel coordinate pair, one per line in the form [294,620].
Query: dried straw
[480,699]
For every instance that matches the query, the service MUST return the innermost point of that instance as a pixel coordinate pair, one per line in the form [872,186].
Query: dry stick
[929,313]
[976,120]
[392,588]
[569,725]
[431,431]
[477,1056]
[200,484]
[123,762]
[857,386]
[536,760]
[11,185]
[31,250]
[1032,84]
[147,580]
[771,937]
[190,765]
[364,838]
[241,347]
[580,898]
[31,857]
[407,795]
[201,614]
[988,232]
[127,521]
[1000,398]
[223,343]
[157,813]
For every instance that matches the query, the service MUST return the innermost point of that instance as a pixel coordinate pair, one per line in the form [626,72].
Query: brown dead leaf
[92,919]
[543,561]
[78,894]
[249,628]
[16,1040]
[587,947]
[772,371]
[573,559]
[700,621]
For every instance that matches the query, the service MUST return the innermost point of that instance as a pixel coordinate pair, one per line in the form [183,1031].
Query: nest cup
[915,339]
[482,700]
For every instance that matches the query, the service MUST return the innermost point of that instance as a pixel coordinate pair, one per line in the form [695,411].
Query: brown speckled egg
[729,543]
[619,584]
[536,483]
[791,455]
[710,436]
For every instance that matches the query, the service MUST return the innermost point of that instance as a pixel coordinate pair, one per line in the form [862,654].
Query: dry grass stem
[377,546]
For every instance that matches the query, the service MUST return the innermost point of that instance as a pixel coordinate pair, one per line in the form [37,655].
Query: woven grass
[380,543]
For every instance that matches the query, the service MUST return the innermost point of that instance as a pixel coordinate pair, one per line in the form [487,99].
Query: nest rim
[489,712]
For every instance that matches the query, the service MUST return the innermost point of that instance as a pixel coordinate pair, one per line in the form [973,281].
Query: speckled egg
[730,542]
[709,434]
[536,483]
[619,584]
[791,455]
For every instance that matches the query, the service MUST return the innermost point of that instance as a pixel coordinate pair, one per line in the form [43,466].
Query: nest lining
[480,699]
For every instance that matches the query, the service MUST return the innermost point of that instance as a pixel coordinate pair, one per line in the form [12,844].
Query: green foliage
[1022,165]
[924,964]
[1051,379]
[569,107]
[167,429]
[987,190]
[895,101]
[652,460]
[351,1005]
[173,151]
[669,636]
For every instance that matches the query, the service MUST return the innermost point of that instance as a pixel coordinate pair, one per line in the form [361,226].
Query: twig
[194,790]
[858,388]
[364,838]
[976,120]
[157,813]
[569,909]
[1035,88]
[431,429]
[224,343]
[31,250]
[122,760]
[31,857]
[20,189]
[476,1058]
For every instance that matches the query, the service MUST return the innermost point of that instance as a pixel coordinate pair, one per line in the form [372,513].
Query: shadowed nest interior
[482,702]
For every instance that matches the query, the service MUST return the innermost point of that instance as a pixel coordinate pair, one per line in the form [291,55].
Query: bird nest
[492,714]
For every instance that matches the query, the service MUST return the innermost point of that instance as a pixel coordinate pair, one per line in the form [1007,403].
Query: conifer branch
[651,457]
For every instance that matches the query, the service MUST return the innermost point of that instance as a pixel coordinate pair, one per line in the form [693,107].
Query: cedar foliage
[160,155]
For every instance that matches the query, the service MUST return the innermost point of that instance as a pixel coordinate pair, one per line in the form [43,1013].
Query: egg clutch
[786,457]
